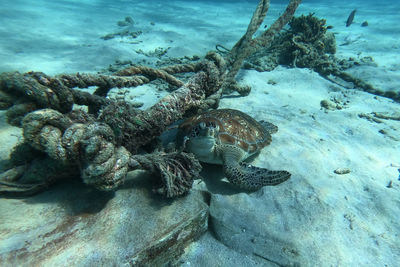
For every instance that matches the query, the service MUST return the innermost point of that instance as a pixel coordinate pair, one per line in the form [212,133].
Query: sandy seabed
[64,37]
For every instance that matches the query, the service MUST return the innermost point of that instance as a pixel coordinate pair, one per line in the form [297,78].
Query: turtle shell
[235,128]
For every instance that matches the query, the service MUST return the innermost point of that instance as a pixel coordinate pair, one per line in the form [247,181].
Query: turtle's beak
[208,131]
[212,131]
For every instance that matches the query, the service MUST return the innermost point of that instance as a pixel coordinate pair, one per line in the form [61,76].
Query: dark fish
[350,18]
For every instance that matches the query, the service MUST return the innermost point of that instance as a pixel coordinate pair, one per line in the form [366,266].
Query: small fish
[350,18]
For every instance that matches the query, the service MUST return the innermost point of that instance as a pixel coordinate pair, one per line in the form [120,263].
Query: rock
[209,252]
[342,171]
[122,23]
[276,234]
[74,225]
[329,105]
[300,227]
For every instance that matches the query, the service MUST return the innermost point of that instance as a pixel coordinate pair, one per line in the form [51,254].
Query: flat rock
[208,251]
[74,225]
[296,227]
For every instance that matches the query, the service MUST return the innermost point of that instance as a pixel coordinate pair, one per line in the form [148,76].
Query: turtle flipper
[251,177]
[245,175]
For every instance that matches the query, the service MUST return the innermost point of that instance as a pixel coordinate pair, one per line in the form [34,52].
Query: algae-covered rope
[248,45]
[99,147]
[103,164]
[134,128]
[151,73]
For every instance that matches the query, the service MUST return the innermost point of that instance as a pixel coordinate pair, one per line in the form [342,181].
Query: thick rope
[90,145]
[247,45]
[103,164]
[151,73]
[84,80]
[134,128]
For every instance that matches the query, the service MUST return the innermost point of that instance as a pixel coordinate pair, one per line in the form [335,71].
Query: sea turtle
[228,137]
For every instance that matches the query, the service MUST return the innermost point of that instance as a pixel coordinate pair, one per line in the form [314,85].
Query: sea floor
[343,220]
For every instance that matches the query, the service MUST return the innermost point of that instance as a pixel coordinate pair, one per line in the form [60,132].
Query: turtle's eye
[202,125]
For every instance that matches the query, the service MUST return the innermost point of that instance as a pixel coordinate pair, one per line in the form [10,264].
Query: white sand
[64,36]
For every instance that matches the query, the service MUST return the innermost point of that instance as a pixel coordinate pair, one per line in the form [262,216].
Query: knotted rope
[103,164]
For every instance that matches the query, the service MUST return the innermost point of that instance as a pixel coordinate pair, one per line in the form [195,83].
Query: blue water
[62,36]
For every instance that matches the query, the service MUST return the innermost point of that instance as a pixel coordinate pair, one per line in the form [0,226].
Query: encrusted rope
[36,87]
[151,73]
[104,149]
[84,80]
[134,128]
[103,164]
[180,68]
[247,45]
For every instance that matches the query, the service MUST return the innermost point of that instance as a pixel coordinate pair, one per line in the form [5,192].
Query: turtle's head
[202,134]
[209,130]
[201,140]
